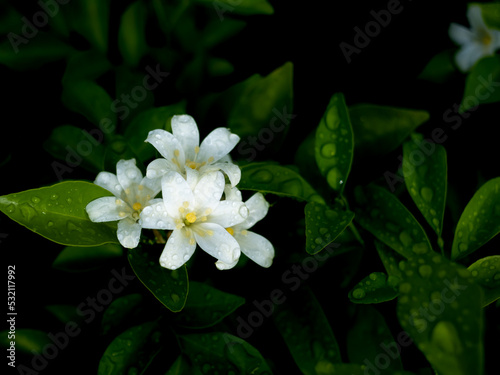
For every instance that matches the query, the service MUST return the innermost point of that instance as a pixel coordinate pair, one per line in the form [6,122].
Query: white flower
[131,193]
[195,215]
[253,245]
[476,43]
[181,150]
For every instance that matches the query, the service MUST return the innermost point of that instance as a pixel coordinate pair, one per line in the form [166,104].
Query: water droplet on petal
[243,211]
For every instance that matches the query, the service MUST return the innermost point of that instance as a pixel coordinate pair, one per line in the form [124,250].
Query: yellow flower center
[137,206]
[191,217]
[230,230]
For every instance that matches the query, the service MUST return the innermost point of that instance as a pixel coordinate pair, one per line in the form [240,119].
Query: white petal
[232,193]
[217,145]
[186,131]
[109,181]
[176,192]
[217,242]
[178,250]
[208,191]
[229,213]
[460,34]
[475,17]
[159,167]
[256,247]
[232,171]
[192,177]
[152,184]
[168,146]
[107,209]
[257,207]
[467,56]
[129,233]
[156,217]
[225,266]
[128,174]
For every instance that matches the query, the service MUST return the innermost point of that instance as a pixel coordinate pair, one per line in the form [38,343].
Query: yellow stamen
[122,214]
[244,232]
[192,241]
[203,218]
[192,165]
[140,187]
[185,204]
[137,206]
[118,202]
[191,217]
[210,232]
[181,210]
[230,230]
[176,153]
[210,159]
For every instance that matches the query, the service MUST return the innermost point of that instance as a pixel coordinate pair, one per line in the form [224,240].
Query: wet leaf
[486,272]
[479,221]
[180,367]
[440,67]
[324,225]
[77,259]
[58,213]
[169,287]
[27,340]
[374,288]
[390,259]
[440,308]
[119,310]
[483,79]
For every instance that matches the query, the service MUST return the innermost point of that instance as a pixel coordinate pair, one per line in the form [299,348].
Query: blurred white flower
[475,43]
[253,245]
[193,210]
[132,193]
[181,150]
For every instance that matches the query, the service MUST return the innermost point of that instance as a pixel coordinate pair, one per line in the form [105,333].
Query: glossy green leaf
[490,13]
[277,179]
[119,310]
[306,332]
[180,367]
[390,260]
[425,172]
[486,272]
[223,353]
[90,18]
[58,213]
[207,306]
[440,67]
[369,337]
[334,143]
[90,100]
[117,149]
[169,287]
[375,288]
[324,225]
[75,259]
[440,308]
[20,53]
[27,340]
[125,350]
[131,33]
[384,216]
[481,86]
[151,119]
[381,129]
[479,221]
[245,7]
[77,147]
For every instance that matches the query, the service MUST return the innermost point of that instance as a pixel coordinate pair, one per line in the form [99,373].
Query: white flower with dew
[181,150]
[195,216]
[132,193]
[253,245]
[475,43]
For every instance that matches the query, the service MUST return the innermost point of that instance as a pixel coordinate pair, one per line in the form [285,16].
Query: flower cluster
[197,205]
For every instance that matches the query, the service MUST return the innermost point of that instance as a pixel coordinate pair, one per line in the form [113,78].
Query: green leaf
[486,272]
[65,313]
[125,350]
[151,119]
[391,261]
[276,179]
[119,310]
[479,221]
[169,287]
[481,86]
[58,213]
[307,333]
[384,216]
[19,53]
[245,7]
[218,67]
[381,129]
[207,306]
[27,340]
[324,225]
[77,147]
[490,12]
[334,143]
[90,18]
[131,33]
[75,259]
[440,67]
[90,100]
[425,172]
[180,367]
[221,352]
[369,337]
[85,65]
[440,308]
[217,32]
[374,288]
